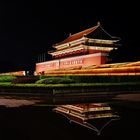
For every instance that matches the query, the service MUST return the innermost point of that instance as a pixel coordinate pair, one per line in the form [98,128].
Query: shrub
[55,80]
[87,79]
[42,76]
[105,79]
[6,78]
[24,80]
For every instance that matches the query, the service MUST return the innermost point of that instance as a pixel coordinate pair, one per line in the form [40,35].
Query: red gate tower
[86,48]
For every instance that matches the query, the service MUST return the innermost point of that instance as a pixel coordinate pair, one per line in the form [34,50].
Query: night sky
[28,28]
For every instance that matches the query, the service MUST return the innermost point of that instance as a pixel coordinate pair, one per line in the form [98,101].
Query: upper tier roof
[81,34]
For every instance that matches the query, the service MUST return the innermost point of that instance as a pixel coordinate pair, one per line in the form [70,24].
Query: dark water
[41,123]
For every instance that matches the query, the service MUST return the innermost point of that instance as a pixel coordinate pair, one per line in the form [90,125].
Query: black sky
[28,28]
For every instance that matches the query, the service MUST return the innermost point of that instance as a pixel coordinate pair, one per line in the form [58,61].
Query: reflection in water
[37,121]
[94,116]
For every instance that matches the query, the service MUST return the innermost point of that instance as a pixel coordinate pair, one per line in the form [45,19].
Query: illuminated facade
[86,48]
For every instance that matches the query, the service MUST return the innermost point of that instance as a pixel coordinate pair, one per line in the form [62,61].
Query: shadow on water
[39,121]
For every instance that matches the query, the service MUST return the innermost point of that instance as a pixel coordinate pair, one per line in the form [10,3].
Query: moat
[37,121]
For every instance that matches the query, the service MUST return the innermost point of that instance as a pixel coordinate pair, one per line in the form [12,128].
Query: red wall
[48,65]
[84,60]
[97,51]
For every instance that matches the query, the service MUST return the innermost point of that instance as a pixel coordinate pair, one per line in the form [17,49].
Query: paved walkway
[16,102]
[128,97]
[10,102]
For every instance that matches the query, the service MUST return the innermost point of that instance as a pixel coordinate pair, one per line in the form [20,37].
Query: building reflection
[95,116]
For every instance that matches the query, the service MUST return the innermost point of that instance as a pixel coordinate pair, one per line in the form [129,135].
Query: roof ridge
[85,30]
[106,32]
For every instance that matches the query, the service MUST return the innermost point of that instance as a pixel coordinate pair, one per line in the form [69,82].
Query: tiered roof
[77,35]
[81,34]
[91,40]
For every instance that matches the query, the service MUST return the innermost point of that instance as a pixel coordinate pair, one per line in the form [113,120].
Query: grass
[69,85]
[8,84]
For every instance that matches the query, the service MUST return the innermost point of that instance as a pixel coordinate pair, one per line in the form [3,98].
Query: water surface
[30,120]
